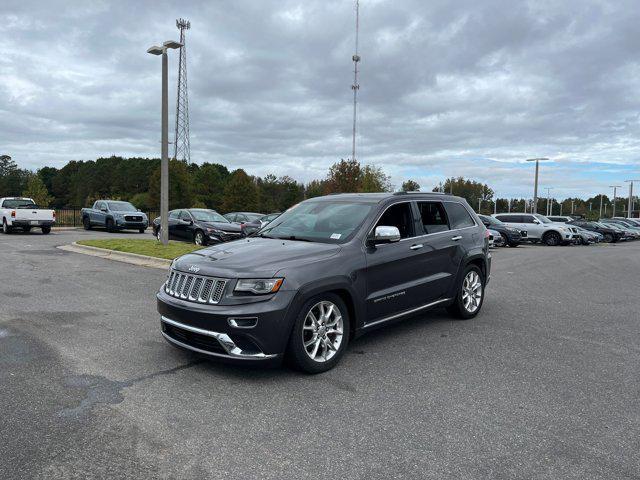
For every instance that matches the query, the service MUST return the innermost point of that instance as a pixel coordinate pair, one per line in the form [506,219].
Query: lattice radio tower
[355,87]
[182,147]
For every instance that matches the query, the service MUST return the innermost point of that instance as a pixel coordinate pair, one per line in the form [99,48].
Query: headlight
[259,286]
[213,230]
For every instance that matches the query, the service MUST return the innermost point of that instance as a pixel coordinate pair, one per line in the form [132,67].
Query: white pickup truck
[20,212]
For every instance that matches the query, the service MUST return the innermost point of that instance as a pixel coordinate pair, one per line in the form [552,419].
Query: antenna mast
[182,146]
[355,87]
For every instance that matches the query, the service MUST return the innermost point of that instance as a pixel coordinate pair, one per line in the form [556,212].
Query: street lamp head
[172,44]
[155,50]
[542,159]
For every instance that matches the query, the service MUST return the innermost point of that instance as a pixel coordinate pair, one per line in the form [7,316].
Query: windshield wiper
[293,237]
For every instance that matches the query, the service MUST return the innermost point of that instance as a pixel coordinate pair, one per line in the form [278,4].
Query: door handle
[417,246]
[456,238]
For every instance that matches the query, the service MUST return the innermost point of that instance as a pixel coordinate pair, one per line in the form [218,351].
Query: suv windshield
[121,207]
[323,221]
[542,218]
[491,220]
[208,216]
[18,203]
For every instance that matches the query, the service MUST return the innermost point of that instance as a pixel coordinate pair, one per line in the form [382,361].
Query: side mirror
[386,234]
[138,210]
[537,222]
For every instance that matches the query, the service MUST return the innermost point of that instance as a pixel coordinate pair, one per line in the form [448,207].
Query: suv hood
[128,212]
[254,257]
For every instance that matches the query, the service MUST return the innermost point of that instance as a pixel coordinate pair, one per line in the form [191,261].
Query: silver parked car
[540,229]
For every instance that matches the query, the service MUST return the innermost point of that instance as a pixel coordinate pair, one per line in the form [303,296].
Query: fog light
[245,322]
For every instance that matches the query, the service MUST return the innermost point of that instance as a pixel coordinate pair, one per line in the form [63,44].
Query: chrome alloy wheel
[199,240]
[322,331]
[472,291]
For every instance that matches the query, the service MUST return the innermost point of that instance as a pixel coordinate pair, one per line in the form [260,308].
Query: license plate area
[34,222]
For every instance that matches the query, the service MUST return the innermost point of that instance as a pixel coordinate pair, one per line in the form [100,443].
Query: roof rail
[416,192]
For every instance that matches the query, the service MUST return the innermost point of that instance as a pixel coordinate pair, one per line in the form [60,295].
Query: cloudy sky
[447,87]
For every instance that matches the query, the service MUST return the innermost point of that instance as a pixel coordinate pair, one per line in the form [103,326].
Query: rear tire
[318,340]
[141,230]
[86,223]
[470,296]
[608,238]
[5,228]
[46,230]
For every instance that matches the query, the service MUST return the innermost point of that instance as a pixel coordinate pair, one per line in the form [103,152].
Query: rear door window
[458,216]
[433,217]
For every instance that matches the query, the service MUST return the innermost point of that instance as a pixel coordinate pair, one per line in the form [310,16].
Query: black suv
[324,272]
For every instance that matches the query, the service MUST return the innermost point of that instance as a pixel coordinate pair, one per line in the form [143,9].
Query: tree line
[213,185]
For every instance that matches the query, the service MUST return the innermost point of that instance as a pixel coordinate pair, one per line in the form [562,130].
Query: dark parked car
[610,235]
[200,226]
[324,272]
[511,236]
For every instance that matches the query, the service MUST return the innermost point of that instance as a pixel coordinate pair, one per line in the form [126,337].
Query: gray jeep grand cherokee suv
[324,272]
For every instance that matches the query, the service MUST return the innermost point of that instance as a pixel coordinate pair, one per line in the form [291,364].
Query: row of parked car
[199,225]
[511,229]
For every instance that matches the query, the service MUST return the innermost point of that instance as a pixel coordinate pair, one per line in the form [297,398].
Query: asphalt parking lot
[543,384]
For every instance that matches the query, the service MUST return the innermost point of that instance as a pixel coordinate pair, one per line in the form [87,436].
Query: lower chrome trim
[407,312]
[233,351]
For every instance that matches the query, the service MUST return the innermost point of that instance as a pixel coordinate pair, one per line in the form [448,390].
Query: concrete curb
[132,258]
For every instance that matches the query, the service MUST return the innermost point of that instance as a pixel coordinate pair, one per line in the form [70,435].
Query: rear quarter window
[458,215]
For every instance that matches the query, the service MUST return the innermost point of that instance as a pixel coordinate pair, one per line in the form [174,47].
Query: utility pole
[548,200]
[509,206]
[600,214]
[615,189]
[535,183]
[631,205]
[164,142]
[572,206]
[560,208]
[479,202]
[356,86]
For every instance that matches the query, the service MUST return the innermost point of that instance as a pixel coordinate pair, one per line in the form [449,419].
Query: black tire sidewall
[46,230]
[86,223]
[296,353]
[109,225]
[551,235]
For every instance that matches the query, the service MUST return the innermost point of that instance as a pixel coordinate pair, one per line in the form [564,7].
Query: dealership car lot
[543,383]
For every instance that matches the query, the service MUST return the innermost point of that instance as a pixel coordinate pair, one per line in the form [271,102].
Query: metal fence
[72,217]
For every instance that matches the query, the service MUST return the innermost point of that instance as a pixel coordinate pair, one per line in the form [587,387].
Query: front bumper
[218,330]
[123,224]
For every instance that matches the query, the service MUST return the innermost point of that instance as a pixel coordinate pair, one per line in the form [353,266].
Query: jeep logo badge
[194,269]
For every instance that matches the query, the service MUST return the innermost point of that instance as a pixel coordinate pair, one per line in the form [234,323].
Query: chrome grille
[133,218]
[195,288]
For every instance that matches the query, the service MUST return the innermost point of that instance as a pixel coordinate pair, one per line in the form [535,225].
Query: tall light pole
[535,183]
[479,202]
[615,189]
[548,200]
[630,182]
[164,147]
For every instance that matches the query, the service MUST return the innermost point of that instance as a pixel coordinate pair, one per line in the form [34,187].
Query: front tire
[552,239]
[608,238]
[470,297]
[199,238]
[86,223]
[320,334]
[109,225]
